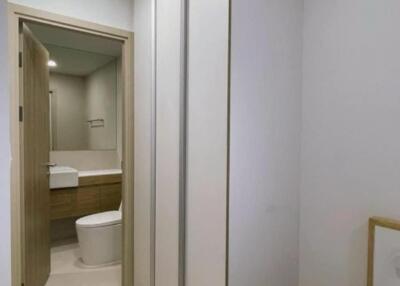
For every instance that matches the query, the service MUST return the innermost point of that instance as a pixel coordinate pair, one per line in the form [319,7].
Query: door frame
[17,14]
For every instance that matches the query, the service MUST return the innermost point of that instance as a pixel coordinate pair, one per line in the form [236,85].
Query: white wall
[350,145]
[116,13]
[69,128]
[143,87]
[207,143]
[265,142]
[101,96]
[87,160]
[5,245]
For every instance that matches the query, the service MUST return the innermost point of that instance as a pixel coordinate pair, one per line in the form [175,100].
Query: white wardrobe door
[207,143]
[168,108]
[143,64]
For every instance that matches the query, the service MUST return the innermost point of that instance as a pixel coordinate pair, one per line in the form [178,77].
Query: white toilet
[99,237]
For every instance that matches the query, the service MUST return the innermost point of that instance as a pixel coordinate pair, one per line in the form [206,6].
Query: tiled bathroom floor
[67,270]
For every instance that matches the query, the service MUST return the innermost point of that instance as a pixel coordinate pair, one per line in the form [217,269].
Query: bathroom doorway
[72,150]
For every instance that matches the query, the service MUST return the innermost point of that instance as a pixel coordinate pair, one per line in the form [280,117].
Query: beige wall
[101,97]
[87,160]
[69,130]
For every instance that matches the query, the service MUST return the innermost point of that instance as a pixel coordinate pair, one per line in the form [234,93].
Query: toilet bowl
[99,237]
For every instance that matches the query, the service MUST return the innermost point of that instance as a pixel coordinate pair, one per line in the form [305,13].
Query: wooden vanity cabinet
[94,194]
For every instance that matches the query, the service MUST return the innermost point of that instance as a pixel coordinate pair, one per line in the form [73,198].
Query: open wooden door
[35,131]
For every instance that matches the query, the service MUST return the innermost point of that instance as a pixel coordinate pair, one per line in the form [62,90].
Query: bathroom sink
[63,177]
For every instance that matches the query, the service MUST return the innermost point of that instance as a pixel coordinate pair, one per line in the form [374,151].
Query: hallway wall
[143,89]
[265,142]
[351,139]
[5,226]
[116,13]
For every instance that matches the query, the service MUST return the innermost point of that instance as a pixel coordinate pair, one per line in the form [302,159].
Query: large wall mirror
[83,101]
[84,94]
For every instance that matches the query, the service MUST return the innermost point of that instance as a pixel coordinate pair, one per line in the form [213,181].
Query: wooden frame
[373,223]
[16,14]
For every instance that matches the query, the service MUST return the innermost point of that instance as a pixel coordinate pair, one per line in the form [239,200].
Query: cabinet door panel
[87,200]
[62,203]
[110,197]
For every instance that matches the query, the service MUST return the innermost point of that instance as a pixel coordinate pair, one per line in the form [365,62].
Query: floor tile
[68,269]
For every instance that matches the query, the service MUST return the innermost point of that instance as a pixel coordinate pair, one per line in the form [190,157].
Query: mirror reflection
[83,99]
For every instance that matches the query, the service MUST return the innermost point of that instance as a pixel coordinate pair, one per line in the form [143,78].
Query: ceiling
[74,52]
[76,62]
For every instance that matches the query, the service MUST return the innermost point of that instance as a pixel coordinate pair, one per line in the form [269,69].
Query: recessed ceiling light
[51,63]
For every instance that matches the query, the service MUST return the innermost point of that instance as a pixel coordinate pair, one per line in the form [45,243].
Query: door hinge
[20,59]
[21,114]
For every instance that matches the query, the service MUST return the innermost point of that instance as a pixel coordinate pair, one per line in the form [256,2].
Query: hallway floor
[68,270]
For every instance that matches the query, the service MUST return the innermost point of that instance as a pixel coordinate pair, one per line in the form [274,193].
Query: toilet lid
[100,219]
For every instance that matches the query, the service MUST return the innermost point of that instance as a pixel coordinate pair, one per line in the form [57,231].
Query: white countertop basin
[100,172]
[63,177]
